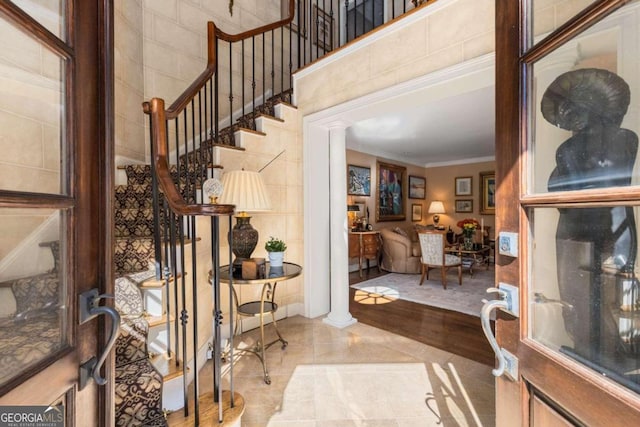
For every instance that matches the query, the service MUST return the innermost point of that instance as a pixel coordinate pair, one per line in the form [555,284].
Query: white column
[339,315]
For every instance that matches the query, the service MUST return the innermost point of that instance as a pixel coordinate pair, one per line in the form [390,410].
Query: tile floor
[357,376]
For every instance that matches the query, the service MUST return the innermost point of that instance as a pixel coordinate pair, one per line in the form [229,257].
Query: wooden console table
[365,245]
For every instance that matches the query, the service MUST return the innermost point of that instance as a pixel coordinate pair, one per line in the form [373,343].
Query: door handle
[507,362]
[88,309]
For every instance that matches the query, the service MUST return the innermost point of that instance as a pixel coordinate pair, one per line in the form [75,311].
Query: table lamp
[247,191]
[436,207]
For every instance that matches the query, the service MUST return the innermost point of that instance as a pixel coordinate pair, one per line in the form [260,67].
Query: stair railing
[258,70]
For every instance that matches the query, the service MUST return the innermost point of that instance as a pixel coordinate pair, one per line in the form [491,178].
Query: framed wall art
[464,205]
[392,195]
[488,193]
[358,180]
[417,187]
[416,212]
[463,186]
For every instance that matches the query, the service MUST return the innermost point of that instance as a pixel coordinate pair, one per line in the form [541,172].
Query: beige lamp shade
[246,190]
[436,207]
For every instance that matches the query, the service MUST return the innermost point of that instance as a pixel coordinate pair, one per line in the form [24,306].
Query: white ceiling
[459,128]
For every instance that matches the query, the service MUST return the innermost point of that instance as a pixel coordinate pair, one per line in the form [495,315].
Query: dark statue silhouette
[591,103]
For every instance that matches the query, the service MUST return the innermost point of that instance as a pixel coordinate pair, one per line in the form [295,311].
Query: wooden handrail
[214,32]
[174,198]
[248,34]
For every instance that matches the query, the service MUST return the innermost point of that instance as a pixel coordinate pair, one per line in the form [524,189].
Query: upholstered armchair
[400,253]
[432,244]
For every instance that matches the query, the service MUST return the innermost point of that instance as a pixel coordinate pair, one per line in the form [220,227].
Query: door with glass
[568,122]
[53,199]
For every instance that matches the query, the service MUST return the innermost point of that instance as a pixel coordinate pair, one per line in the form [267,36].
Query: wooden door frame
[616,406]
[90,99]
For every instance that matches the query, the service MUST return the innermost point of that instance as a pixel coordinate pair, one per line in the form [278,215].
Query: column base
[340,322]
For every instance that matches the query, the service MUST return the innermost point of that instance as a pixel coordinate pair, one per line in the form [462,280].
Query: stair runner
[138,391]
[138,384]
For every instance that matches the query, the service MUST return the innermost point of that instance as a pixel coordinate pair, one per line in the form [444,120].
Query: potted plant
[275,247]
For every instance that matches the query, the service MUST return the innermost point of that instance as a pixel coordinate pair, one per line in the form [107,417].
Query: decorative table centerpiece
[469,227]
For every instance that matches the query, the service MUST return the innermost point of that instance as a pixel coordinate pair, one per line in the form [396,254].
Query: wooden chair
[432,244]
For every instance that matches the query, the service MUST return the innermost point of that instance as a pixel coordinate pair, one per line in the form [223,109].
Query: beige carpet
[464,299]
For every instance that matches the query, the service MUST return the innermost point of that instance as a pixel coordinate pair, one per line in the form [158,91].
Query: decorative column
[339,315]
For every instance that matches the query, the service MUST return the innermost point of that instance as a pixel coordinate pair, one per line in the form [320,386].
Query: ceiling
[434,131]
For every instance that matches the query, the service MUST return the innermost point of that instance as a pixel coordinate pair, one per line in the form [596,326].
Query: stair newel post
[155,197]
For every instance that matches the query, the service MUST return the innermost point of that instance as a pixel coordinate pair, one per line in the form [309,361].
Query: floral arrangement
[469,226]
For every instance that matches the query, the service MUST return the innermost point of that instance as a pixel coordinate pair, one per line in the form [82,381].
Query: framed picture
[488,193]
[392,195]
[300,9]
[464,205]
[322,29]
[463,186]
[416,212]
[358,181]
[361,209]
[417,187]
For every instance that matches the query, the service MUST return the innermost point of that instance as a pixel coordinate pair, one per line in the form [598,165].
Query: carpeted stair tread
[138,394]
[133,254]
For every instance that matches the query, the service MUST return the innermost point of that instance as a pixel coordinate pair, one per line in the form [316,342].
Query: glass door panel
[548,15]
[32,114]
[33,288]
[51,14]
[585,109]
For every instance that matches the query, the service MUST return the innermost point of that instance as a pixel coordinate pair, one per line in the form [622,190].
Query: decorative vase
[275,259]
[468,243]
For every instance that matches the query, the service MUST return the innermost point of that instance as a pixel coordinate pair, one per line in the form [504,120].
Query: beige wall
[462,30]
[129,82]
[440,186]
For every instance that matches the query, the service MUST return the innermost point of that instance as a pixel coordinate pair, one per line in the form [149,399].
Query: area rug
[464,299]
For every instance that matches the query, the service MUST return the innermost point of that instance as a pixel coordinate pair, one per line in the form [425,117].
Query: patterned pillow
[36,292]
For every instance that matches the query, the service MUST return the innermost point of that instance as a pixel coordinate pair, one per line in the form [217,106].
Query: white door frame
[326,278]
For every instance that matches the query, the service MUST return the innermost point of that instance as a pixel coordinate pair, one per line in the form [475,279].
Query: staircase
[192,133]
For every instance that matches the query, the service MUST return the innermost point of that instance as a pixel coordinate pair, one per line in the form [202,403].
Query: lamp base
[244,239]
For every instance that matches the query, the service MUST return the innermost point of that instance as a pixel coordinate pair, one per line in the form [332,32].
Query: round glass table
[266,305]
